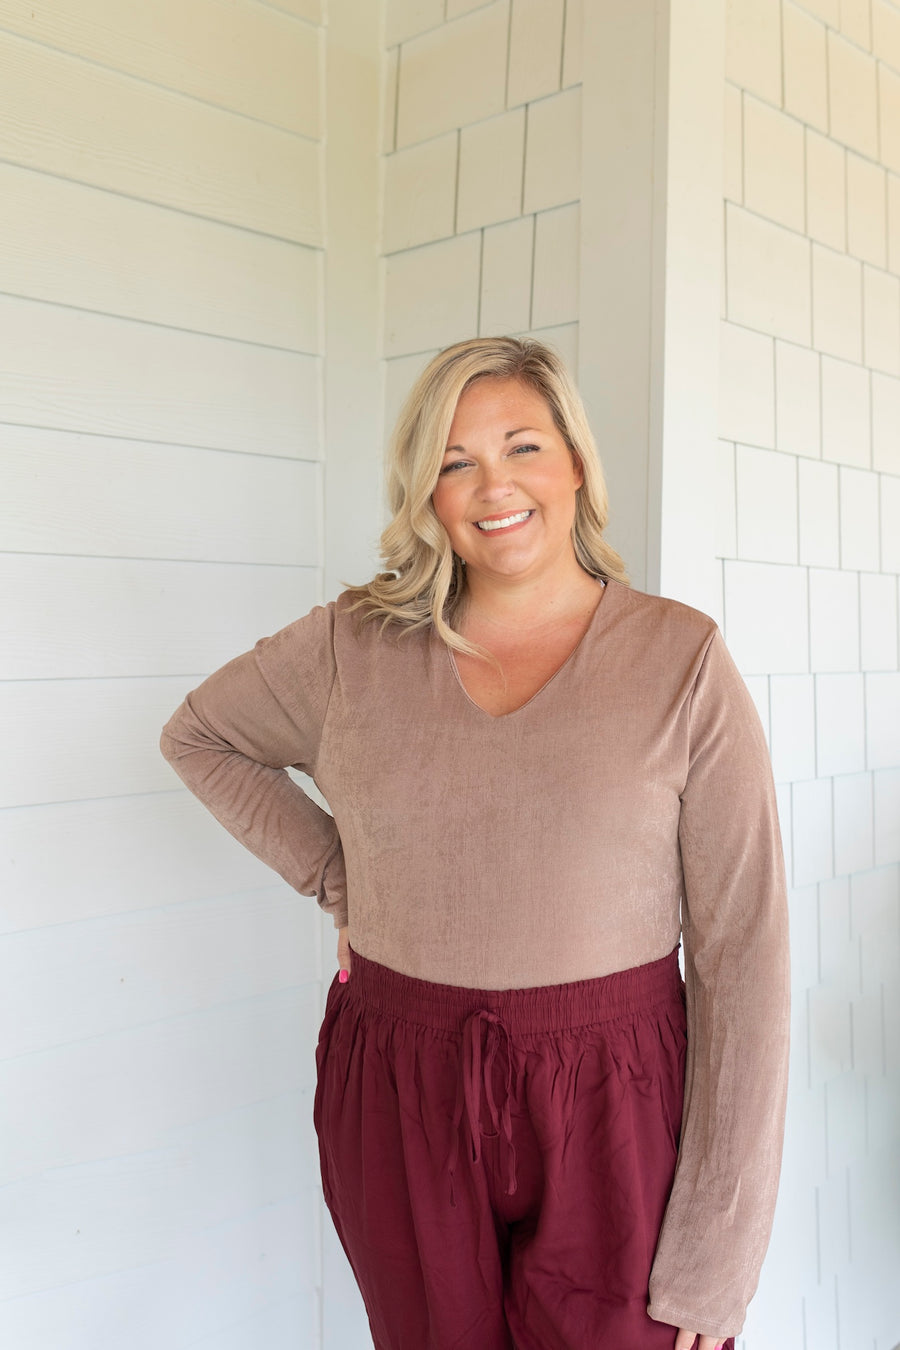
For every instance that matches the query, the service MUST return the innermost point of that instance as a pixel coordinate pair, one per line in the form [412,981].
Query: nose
[495,482]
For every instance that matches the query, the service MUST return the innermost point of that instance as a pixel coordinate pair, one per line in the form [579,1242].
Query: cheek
[558,485]
[445,500]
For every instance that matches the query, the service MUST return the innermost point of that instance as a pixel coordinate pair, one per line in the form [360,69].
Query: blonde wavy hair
[425,581]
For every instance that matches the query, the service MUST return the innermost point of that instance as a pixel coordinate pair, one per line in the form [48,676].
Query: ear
[578,469]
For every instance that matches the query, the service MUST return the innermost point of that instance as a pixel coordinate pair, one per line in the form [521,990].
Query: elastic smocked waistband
[556,1007]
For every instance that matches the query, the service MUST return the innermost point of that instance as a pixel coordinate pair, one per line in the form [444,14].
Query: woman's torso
[527,849]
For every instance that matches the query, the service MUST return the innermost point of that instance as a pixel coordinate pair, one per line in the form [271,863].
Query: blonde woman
[533,1136]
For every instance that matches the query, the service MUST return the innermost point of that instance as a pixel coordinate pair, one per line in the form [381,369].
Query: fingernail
[343,977]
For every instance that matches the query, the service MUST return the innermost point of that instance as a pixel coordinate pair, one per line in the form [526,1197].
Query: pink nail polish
[343,977]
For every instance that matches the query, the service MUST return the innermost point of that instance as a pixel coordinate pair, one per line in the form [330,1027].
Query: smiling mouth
[502,522]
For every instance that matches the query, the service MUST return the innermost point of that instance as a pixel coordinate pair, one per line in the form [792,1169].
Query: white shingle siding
[813,118]
[480,219]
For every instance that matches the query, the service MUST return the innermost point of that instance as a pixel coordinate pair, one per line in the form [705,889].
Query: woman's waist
[525,1009]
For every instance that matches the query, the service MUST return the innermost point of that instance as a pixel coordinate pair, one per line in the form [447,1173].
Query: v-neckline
[502,717]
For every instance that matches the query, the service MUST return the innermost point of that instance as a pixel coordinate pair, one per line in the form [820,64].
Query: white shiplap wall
[809,491]
[160,436]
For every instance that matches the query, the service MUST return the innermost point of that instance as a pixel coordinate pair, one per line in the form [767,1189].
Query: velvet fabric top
[628,803]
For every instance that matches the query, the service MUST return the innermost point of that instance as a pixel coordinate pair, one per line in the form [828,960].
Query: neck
[545,600]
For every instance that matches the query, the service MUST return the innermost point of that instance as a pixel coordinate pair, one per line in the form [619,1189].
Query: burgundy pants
[497,1164]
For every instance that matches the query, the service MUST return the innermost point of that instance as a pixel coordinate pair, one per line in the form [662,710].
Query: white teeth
[501,524]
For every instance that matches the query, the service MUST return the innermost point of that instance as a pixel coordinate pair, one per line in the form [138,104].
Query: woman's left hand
[343,954]
[685,1341]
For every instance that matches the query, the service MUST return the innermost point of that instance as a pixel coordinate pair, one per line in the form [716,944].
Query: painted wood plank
[127,1091]
[93,976]
[86,372]
[68,740]
[239,1274]
[115,855]
[312,10]
[75,618]
[286,1324]
[353,293]
[74,740]
[78,120]
[99,496]
[98,1217]
[344,1320]
[237,55]
[81,246]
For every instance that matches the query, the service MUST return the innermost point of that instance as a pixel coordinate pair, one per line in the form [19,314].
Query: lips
[502,522]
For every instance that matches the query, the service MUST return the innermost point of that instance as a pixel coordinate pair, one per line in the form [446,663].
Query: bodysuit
[626,806]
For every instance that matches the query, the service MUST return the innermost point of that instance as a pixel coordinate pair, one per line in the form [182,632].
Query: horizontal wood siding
[144,500]
[313,10]
[81,121]
[157,848]
[76,980]
[98,737]
[243,57]
[161,453]
[197,1276]
[103,617]
[79,246]
[86,372]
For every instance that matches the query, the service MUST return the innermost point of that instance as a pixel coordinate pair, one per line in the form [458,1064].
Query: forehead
[491,403]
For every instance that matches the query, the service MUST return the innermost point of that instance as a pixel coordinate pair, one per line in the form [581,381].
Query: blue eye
[456,464]
[525,449]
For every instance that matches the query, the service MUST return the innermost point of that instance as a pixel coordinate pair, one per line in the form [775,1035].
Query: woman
[539,779]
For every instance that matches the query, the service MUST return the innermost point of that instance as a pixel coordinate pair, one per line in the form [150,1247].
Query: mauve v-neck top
[629,802]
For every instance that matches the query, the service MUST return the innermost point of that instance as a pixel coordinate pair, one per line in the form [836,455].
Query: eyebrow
[507,435]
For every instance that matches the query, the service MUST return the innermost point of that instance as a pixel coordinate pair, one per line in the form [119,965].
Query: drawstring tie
[476,1080]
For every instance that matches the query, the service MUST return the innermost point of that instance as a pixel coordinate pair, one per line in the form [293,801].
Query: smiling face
[506,491]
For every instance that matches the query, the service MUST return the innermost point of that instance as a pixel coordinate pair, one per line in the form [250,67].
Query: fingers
[685,1341]
[343,954]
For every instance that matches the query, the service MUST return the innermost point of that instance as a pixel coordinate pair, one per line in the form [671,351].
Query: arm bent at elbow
[230,743]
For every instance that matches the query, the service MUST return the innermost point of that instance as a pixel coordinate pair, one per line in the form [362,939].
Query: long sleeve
[230,743]
[719,1216]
